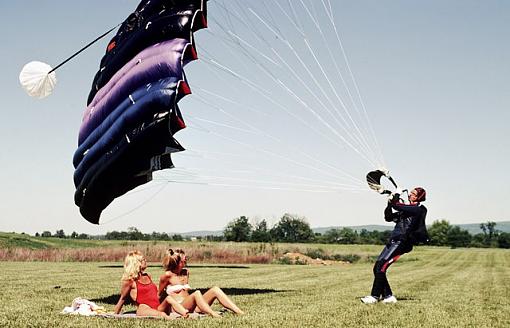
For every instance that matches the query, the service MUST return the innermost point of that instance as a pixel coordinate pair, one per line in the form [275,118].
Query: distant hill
[473,228]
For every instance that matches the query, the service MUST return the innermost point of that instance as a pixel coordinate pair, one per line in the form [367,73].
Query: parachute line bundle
[128,127]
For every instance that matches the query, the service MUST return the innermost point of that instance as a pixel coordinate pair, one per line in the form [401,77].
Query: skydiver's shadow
[112,299]
[402,298]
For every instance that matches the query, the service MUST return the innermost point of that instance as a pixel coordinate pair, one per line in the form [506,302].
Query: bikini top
[176,288]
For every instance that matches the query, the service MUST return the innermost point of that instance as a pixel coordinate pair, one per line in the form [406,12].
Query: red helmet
[421,194]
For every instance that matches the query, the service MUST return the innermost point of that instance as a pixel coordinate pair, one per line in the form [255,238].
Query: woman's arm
[163,282]
[125,289]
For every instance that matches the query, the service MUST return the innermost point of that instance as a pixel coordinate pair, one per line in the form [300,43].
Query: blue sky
[433,77]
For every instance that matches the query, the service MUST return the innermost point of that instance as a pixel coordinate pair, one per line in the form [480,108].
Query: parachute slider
[374,180]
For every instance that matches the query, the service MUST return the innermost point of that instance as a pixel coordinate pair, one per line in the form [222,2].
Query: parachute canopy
[128,127]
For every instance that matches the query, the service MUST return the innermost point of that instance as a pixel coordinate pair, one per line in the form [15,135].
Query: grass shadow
[112,299]
[113,266]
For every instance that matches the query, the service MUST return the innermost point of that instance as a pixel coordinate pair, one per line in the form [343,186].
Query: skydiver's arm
[124,294]
[389,216]
[408,209]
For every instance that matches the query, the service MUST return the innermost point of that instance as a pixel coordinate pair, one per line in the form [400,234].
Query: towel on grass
[83,307]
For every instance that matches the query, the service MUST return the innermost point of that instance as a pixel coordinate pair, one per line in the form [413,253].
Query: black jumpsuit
[407,220]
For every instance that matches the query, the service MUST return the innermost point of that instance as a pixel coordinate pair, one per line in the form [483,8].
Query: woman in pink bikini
[138,285]
[174,283]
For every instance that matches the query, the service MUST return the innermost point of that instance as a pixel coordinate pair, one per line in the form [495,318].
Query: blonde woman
[138,285]
[174,283]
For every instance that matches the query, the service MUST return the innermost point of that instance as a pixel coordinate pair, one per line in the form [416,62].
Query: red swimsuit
[147,294]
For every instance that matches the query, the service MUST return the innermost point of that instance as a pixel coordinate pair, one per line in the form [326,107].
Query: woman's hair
[421,194]
[172,259]
[132,265]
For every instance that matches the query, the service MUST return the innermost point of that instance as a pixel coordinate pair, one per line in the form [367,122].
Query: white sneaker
[369,300]
[389,299]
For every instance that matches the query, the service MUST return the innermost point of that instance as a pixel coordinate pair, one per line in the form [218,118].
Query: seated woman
[137,284]
[174,283]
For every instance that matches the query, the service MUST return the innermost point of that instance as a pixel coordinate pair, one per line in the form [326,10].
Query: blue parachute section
[132,115]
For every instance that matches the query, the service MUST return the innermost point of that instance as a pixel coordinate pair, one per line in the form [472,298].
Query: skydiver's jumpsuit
[407,219]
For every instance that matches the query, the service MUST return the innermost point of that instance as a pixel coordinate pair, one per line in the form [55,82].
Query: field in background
[437,287]
[18,247]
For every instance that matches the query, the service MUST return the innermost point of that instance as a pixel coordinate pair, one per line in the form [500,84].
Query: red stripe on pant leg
[393,259]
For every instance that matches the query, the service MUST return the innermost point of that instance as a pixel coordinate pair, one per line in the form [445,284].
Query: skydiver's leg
[216,293]
[381,286]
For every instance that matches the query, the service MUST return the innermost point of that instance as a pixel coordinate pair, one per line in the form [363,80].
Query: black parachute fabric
[132,114]
[374,180]
[153,21]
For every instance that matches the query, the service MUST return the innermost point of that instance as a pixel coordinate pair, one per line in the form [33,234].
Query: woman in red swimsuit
[139,286]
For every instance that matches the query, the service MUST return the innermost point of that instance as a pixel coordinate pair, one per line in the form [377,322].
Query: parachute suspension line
[215,184]
[85,47]
[265,151]
[265,95]
[187,171]
[187,175]
[287,43]
[164,185]
[361,135]
[218,123]
[293,21]
[278,81]
[251,108]
[219,109]
[206,155]
[356,181]
[258,89]
[278,140]
[332,20]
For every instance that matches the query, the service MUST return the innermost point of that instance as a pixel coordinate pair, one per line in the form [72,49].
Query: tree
[438,232]
[332,236]
[134,234]
[260,232]
[82,236]
[74,235]
[238,230]
[504,240]
[46,234]
[292,229]
[458,237]
[60,234]
[489,231]
[177,237]
[348,236]
[37,234]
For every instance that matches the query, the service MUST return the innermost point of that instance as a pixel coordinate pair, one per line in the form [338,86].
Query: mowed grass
[436,287]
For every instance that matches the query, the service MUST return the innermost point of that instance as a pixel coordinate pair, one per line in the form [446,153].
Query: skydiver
[409,230]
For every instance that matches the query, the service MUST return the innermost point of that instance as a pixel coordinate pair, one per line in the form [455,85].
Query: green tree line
[295,229]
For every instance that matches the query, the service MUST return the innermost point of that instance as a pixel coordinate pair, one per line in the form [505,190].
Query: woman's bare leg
[197,300]
[216,293]
[145,310]
[171,303]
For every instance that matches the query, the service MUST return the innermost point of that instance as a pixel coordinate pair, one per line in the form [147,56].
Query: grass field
[437,287]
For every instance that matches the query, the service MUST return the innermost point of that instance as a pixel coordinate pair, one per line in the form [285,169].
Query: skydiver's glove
[393,198]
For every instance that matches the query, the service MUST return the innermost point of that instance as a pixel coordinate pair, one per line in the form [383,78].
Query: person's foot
[369,300]
[389,299]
